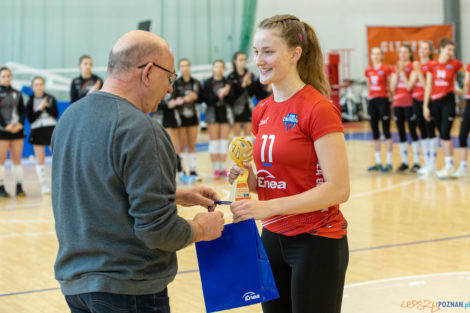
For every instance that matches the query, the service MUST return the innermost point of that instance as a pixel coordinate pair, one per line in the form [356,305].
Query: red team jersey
[377,81]
[443,77]
[402,96]
[418,89]
[286,160]
[468,70]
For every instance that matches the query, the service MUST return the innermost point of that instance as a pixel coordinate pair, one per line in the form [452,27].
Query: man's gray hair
[135,55]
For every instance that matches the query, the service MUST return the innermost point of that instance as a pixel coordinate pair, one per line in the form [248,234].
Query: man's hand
[199,195]
[207,226]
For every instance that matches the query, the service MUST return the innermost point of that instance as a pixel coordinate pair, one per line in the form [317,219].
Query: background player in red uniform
[417,82]
[403,107]
[464,130]
[378,77]
[439,100]
[302,175]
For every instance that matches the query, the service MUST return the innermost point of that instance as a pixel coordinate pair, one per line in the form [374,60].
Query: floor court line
[368,193]
[347,286]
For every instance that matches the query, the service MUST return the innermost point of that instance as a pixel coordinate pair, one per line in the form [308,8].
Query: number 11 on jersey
[269,160]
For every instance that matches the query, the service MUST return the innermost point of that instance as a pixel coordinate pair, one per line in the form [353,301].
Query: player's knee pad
[223,146]
[213,146]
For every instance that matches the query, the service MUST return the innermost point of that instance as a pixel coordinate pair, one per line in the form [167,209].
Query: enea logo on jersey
[290,120]
[269,181]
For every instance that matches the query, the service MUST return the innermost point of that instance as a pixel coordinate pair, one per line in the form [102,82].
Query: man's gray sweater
[113,192]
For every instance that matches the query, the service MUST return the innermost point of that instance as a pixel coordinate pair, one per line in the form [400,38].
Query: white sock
[404,151]
[433,143]
[17,173]
[2,174]
[425,143]
[449,161]
[463,164]
[378,159]
[415,147]
[192,160]
[41,173]
[389,158]
[215,166]
[221,166]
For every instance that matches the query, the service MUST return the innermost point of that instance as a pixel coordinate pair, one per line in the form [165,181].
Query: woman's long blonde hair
[311,66]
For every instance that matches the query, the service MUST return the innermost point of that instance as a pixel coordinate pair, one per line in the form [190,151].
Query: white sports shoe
[426,170]
[460,172]
[445,172]
[45,188]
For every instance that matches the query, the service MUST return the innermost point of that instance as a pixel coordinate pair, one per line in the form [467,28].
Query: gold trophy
[240,150]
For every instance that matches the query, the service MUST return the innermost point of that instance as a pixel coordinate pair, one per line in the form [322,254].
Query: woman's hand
[427,114]
[14,128]
[9,128]
[44,103]
[246,209]
[236,171]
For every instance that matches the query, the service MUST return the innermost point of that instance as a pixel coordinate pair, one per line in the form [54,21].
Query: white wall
[465,29]
[342,23]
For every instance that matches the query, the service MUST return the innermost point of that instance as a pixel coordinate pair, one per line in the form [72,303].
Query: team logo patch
[381,72]
[290,120]
[449,66]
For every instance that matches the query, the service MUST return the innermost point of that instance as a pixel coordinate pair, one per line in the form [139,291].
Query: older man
[114,196]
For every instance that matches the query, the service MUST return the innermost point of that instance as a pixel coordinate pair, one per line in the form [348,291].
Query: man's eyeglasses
[171,78]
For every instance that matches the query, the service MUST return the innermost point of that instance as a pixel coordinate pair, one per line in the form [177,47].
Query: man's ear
[145,77]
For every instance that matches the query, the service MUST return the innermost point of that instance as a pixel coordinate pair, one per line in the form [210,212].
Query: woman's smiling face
[272,56]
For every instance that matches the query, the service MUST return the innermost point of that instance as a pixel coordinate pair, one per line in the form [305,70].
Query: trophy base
[240,191]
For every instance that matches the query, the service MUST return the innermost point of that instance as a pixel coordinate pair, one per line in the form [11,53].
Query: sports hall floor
[409,239]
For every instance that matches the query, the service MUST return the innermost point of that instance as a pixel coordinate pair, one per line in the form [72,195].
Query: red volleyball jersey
[402,96]
[468,70]
[418,89]
[287,164]
[378,81]
[443,77]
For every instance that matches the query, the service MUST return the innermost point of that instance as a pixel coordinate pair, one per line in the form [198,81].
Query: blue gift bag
[234,269]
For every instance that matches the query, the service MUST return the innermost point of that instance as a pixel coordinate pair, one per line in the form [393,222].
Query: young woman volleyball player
[42,114]
[186,92]
[87,82]
[302,171]
[242,85]
[378,78]
[12,117]
[403,107]
[464,130]
[439,100]
[429,141]
[214,93]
